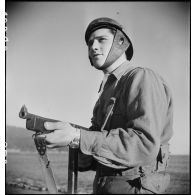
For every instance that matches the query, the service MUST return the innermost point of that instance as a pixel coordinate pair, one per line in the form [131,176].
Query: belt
[133,173]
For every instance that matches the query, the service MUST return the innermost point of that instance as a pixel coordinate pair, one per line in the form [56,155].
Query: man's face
[99,45]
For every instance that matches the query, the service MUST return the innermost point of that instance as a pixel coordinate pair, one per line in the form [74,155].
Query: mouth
[96,55]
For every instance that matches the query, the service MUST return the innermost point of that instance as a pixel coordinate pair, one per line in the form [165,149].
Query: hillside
[19,138]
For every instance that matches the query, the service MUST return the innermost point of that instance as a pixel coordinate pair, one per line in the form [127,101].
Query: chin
[97,64]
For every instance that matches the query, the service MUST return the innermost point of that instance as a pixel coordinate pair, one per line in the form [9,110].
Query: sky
[47,65]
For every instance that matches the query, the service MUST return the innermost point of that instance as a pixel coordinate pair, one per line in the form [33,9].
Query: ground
[24,175]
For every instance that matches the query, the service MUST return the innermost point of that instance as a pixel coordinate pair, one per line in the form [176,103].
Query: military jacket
[136,104]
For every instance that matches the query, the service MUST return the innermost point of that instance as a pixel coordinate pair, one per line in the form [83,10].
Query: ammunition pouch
[156,183]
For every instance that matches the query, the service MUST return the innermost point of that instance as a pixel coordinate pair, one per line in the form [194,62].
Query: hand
[62,136]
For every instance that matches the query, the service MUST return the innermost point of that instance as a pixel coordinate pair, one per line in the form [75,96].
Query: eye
[102,39]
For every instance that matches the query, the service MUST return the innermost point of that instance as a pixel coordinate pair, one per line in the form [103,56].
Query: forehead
[101,32]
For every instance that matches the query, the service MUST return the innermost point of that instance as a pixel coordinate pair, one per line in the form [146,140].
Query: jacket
[136,112]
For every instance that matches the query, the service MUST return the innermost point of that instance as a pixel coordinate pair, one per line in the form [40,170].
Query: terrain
[24,175]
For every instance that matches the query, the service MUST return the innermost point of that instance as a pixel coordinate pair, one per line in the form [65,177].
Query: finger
[54,125]
[52,146]
[46,137]
[42,136]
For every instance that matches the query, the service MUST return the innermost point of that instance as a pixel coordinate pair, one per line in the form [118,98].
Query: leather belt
[132,173]
[102,171]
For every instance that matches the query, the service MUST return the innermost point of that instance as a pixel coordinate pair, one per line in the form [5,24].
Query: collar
[119,71]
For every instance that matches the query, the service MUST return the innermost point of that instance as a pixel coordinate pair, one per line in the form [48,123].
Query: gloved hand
[62,136]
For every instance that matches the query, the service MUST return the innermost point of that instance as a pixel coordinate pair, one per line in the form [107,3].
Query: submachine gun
[36,123]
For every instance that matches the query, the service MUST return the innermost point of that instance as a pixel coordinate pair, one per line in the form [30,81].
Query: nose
[94,45]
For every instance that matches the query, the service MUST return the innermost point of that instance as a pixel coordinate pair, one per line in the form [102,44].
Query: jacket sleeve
[137,144]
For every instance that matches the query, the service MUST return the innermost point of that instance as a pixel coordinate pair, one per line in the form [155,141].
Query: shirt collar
[118,72]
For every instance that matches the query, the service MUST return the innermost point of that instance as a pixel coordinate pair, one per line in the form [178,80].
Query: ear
[121,41]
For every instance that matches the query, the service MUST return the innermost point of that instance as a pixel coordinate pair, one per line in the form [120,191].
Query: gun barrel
[23,112]
[34,122]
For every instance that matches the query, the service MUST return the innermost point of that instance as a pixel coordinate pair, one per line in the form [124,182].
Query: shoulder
[141,73]
[143,78]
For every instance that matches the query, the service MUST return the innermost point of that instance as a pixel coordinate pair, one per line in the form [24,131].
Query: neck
[116,64]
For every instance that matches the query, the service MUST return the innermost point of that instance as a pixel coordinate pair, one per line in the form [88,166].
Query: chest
[110,103]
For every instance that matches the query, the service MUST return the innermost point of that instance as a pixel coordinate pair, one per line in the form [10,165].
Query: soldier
[128,142]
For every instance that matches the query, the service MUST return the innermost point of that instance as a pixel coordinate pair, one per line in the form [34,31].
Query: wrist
[76,140]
